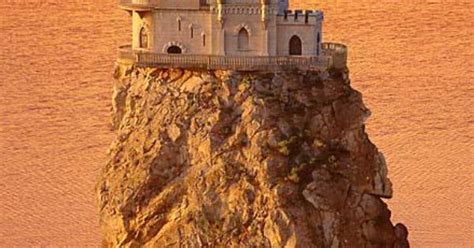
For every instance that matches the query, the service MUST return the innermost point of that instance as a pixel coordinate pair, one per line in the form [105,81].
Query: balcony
[215,62]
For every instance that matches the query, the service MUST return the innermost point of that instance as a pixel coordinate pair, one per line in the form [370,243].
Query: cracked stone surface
[229,159]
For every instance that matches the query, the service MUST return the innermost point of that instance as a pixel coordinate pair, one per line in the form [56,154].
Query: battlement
[239,9]
[301,17]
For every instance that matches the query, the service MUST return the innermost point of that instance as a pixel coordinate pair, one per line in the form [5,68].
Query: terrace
[333,54]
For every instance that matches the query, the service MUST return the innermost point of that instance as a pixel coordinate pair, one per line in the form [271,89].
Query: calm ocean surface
[412,60]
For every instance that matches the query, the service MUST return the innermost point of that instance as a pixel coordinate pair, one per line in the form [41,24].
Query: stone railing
[240,63]
[125,52]
[213,62]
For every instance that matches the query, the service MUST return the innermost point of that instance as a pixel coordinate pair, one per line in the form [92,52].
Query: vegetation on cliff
[229,159]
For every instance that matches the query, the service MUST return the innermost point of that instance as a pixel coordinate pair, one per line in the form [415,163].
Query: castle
[238,34]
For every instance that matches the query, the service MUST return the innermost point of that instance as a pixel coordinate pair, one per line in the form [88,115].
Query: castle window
[192,32]
[243,40]
[203,40]
[179,25]
[318,39]
[295,45]
[143,39]
[174,50]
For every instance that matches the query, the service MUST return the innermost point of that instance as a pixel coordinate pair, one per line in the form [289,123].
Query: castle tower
[238,22]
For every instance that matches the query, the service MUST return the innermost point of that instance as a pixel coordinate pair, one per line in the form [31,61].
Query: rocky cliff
[229,159]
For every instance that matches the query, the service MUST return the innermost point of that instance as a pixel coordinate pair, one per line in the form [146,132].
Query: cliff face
[228,159]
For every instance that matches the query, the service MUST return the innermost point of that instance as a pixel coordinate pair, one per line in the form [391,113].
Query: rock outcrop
[230,159]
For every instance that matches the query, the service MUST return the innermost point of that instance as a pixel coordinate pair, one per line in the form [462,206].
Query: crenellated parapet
[301,17]
[240,10]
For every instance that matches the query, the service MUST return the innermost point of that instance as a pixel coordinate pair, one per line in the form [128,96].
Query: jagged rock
[327,192]
[230,159]
[401,232]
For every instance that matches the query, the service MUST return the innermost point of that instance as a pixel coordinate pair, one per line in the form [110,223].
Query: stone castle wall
[199,32]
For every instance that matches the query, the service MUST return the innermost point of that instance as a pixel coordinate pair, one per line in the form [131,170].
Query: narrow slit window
[318,40]
[192,32]
[179,25]
[204,40]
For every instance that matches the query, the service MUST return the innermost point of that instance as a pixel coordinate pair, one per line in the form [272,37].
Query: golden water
[411,60]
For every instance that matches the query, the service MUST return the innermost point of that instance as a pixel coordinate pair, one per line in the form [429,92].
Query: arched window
[174,50]
[243,39]
[295,46]
[143,40]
